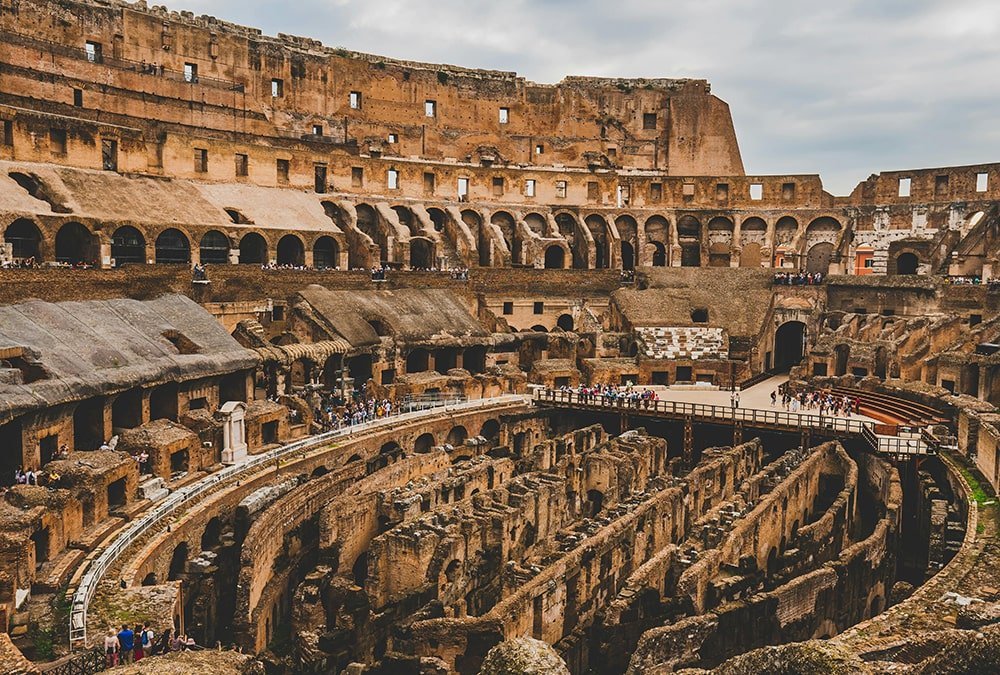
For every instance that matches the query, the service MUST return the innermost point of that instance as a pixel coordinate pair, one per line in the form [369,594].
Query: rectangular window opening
[687,189]
[355,100]
[430,108]
[756,191]
[317,130]
[392,179]
[539,149]
[393,138]
[8,132]
[539,308]
[429,183]
[649,121]
[904,187]
[463,189]
[561,189]
[722,192]
[78,98]
[200,160]
[319,178]
[57,141]
[504,115]
[191,72]
[788,191]
[357,176]
[941,185]
[277,88]
[529,188]
[498,186]
[109,154]
[655,192]
[281,166]
[94,51]
[508,308]
[242,165]
[982,182]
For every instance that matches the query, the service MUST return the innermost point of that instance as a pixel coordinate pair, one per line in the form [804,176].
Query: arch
[628,255]
[508,230]
[74,244]
[438,218]
[474,359]
[128,246]
[214,248]
[688,227]
[291,251]
[25,239]
[237,216]
[319,472]
[359,570]
[333,367]
[784,230]
[751,225]
[907,263]
[88,424]
[689,238]
[418,361]
[126,411]
[407,220]
[211,536]
[421,253]
[555,257]
[326,253]
[823,224]
[172,247]
[474,221]
[659,254]
[457,436]
[539,328]
[253,249]
[595,502]
[789,344]
[565,321]
[452,570]
[178,561]
[424,443]
[598,227]
[720,224]
[490,429]
[819,257]
[882,362]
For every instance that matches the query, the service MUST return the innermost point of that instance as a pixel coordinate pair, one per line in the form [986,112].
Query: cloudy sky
[843,88]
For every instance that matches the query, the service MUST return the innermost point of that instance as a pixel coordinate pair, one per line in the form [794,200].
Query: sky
[843,88]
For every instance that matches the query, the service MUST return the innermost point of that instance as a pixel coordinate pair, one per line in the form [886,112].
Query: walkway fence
[907,440]
[155,519]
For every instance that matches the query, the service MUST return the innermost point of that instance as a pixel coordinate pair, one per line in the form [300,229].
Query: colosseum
[316,361]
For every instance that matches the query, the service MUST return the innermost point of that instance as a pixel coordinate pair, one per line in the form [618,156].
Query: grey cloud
[842,89]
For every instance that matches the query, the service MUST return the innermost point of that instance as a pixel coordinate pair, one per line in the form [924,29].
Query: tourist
[163,646]
[774,397]
[138,651]
[126,642]
[189,643]
[146,637]
[111,648]
[175,643]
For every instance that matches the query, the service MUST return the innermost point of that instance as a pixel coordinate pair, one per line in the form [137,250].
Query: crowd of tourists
[798,278]
[973,280]
[20,264]
[134,644]
[808,400]
[614,395]
[332,413]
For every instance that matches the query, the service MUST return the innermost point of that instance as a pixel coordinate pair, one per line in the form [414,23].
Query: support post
[688,440]
[737,433]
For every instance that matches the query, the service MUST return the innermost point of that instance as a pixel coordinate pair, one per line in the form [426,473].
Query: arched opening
[88,424]
[602,241]
[128,246]
[474,359]
[438,218]
[359,570]
[789,345]
[74,244]
[178,561]
[126,411]
[508,230]
[172,247]
[214,248]
[689,237]
[291,251]
[163,402]
[253,249]
[360,369]
[212,534]
[423,444]
[326,253]
[907,263]
[628,256]
[720,241]
[659,254]
[484,244]
[421,253]
[452,570]
[457,436]
[819,257]
[565,322]
[841,354]
[418,361]
[490,429]
[149,579]
[332,369]
[368,222]
[555,258]
[772,562]
[25,239]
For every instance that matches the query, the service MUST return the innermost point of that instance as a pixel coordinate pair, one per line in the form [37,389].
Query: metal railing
[908,441]
[189,495]
[82,663]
